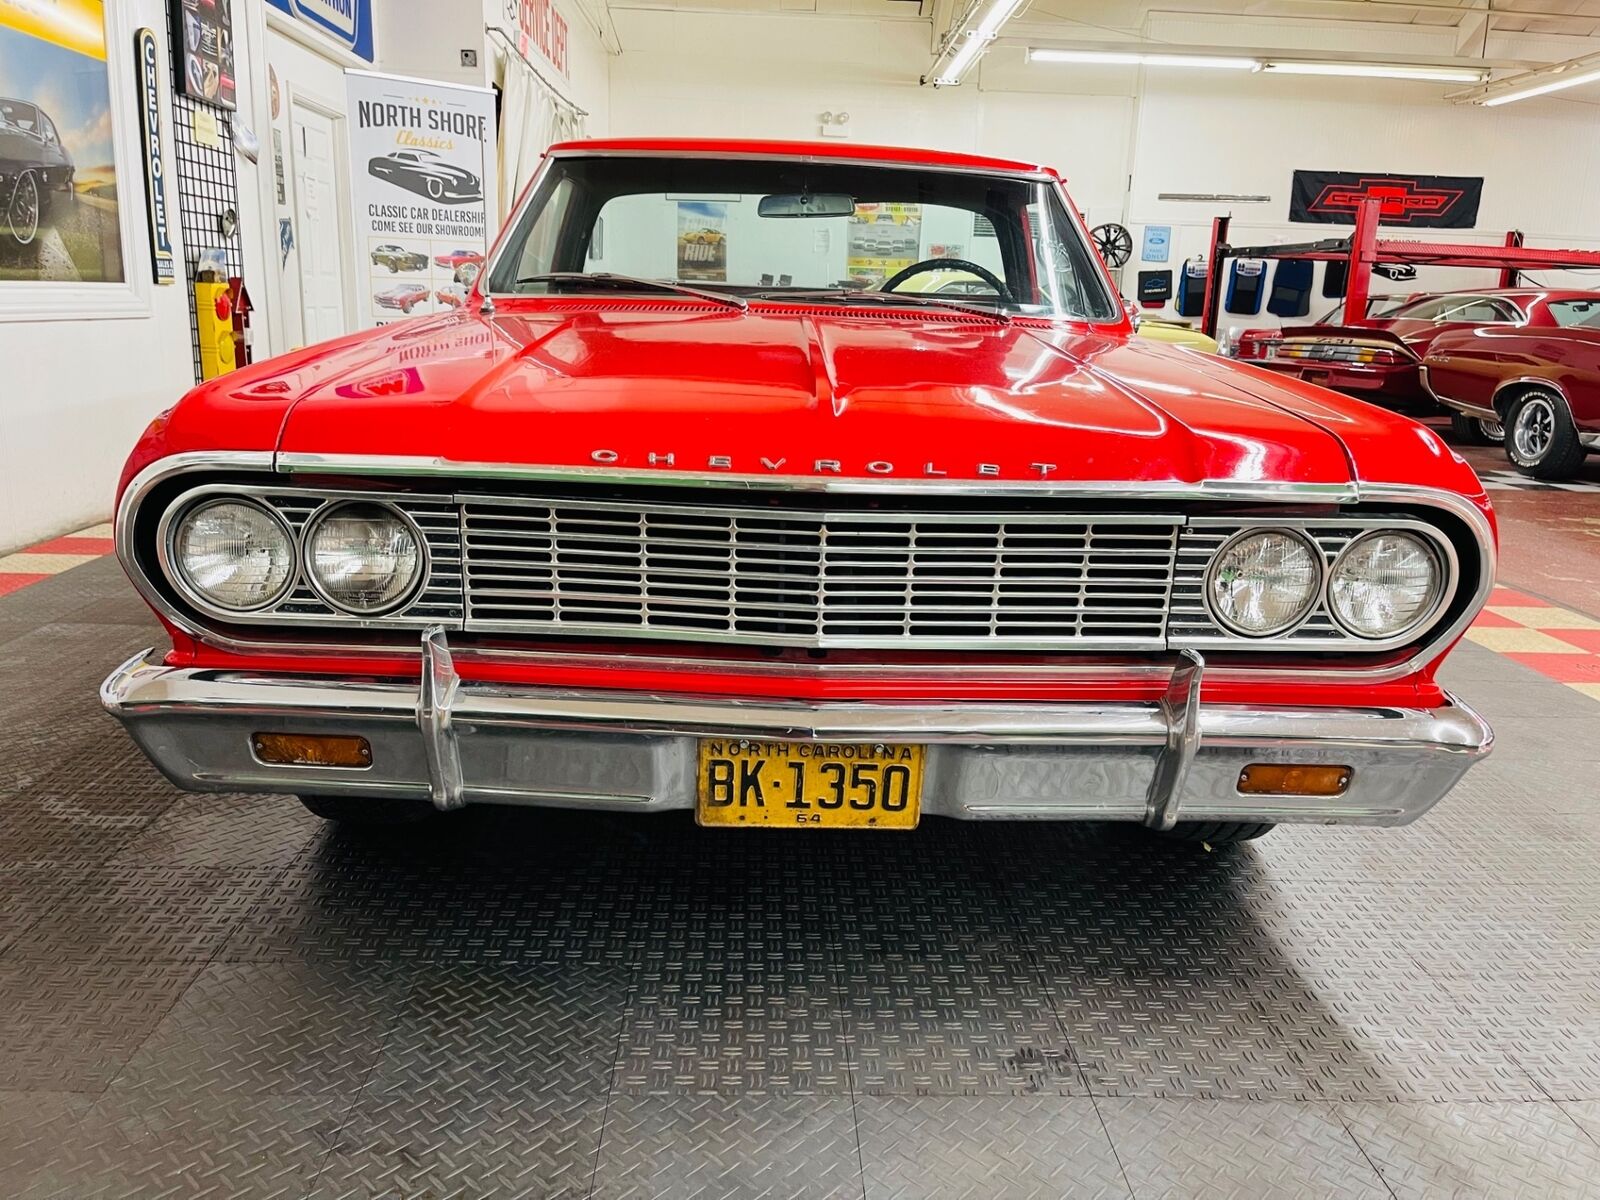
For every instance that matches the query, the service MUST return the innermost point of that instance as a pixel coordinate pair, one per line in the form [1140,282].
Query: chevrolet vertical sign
[155,163]
[1420,201]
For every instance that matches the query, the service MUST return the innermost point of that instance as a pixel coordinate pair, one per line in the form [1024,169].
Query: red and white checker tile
[1558,643]
[60,554]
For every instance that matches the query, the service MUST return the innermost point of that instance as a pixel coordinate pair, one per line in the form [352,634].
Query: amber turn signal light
[1289,779]
[312,750]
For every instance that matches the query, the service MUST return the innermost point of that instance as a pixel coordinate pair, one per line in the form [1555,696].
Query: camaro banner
[1420,201]
[422,158]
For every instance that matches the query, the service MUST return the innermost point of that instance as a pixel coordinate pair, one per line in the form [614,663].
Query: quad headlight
[363,558]
[1264,582]
[1384,584]
[233,554]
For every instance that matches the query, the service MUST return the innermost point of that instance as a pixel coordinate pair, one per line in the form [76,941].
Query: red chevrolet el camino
[630,533]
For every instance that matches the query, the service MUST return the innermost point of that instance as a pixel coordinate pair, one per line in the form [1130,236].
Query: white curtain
[532,116]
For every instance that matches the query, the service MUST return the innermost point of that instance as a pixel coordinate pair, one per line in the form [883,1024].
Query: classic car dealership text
[607,599]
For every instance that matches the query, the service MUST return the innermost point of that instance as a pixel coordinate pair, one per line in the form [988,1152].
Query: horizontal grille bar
[817,579]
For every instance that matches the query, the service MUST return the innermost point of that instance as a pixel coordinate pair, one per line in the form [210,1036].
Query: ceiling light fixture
[1554,84]
[971,37]
[1140,59]
[1363,70]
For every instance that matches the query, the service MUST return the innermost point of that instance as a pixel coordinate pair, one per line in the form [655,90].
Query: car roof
[834,151]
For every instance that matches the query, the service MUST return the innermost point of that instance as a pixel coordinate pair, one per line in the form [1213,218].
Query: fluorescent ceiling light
[1554,85]
[1363,70]
[1137,59]
[974,39]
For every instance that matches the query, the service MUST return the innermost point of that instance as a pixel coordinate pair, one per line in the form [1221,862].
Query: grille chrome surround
[772,576]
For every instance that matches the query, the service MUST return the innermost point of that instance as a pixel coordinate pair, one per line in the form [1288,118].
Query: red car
[458,258]
[800,556]
[403,296]
[1542,385]
[1379,362]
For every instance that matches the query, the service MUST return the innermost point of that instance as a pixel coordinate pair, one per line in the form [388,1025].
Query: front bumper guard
[454,742]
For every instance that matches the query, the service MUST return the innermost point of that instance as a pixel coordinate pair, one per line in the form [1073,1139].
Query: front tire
[360,812]
[1216,833]
[1540,439]
[1474,431]
[23,211]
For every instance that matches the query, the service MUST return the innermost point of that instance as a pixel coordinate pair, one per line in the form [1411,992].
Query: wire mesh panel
[208,187]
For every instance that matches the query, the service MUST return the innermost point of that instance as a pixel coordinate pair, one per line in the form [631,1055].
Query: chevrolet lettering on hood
[694,502]
[822,466]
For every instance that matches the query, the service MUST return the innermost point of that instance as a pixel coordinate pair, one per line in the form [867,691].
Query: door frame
[304,98]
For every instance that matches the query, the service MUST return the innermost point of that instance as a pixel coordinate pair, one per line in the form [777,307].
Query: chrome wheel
[23,212]
[1535,429]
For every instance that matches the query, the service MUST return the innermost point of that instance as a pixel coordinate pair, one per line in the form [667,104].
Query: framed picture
[202,46]
[73,241]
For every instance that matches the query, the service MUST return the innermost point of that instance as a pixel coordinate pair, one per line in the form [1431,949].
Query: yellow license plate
[809,785]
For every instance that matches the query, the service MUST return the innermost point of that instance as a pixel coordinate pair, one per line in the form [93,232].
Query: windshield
[1482,310]
[782,229]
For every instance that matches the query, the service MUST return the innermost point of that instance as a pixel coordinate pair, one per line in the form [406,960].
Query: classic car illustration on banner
[427,174]
[458,258]
[404,296]
[800,555]
[398,258]
[35,169]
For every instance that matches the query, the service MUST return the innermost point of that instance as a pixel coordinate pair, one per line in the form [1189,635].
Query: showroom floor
[215,996]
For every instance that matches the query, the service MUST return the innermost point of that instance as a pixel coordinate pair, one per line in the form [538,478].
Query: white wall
[1121,136]
[75,394]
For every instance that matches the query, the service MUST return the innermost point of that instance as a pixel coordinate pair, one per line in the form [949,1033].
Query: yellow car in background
[965,283]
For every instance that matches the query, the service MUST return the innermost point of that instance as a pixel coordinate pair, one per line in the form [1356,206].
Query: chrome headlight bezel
[1425,614]
[308,537]
[177,574]
[1313,597]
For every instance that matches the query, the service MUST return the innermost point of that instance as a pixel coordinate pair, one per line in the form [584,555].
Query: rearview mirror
[807,204]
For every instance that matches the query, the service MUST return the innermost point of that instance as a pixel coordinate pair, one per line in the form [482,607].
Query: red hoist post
[1509,276]
[1213,305]
[1363,257]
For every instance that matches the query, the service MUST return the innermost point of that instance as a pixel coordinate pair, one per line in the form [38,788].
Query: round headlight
[1384,584]
[363,558]
[233,554]
[1264,583]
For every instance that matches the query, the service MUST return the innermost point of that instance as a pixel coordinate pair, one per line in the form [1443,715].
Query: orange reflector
[1287,779]
[312,750]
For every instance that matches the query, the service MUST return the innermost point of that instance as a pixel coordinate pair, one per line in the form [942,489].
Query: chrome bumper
[455,742]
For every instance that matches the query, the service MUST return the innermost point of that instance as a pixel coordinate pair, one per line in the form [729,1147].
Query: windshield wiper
[912,299]
[607,279]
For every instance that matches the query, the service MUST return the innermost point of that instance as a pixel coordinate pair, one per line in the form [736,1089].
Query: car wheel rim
[23,214]
[434,189]
[1492,430]
[1535,430]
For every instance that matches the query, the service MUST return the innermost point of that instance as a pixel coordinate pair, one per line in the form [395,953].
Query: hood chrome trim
[1457,505]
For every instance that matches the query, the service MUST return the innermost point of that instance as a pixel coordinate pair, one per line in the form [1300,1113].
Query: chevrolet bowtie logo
[1402,199]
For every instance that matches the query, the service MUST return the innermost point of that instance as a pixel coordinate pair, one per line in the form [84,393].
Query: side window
[47,127]
[1575,312]
[539,251]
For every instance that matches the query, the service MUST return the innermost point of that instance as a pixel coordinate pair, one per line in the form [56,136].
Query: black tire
[24,214]
[394,267]
[1216,833]
[364,812]
[1540,440]
[1473,431]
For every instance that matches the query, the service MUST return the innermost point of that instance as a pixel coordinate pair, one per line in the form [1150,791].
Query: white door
[317,211]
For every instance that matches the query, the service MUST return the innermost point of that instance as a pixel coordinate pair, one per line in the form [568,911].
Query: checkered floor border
[1515,481]
[60,554]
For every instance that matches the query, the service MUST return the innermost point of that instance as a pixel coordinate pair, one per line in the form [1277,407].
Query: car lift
[1364,250]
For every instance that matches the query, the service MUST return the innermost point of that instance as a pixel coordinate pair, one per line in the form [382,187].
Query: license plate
[809,785]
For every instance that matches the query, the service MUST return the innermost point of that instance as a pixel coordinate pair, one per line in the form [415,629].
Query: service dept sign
[422,158]
[155,167]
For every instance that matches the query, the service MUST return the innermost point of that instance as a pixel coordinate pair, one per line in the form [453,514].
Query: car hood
[651,387]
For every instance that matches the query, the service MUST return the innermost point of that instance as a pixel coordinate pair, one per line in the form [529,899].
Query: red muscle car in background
[800,556]
[403,296]
[1379,362]
[1542,384]
[458,258]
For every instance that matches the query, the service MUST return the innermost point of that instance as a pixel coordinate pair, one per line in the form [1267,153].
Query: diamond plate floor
[218,997]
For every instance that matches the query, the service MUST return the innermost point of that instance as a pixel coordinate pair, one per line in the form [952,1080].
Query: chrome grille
[792,577]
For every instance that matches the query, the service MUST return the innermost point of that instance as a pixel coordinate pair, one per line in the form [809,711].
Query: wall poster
[422,158]
[202,33]
[882,239]
[702,241]
[58,188]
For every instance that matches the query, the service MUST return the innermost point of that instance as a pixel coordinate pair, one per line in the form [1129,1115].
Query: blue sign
[348,22]
[1157,243]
